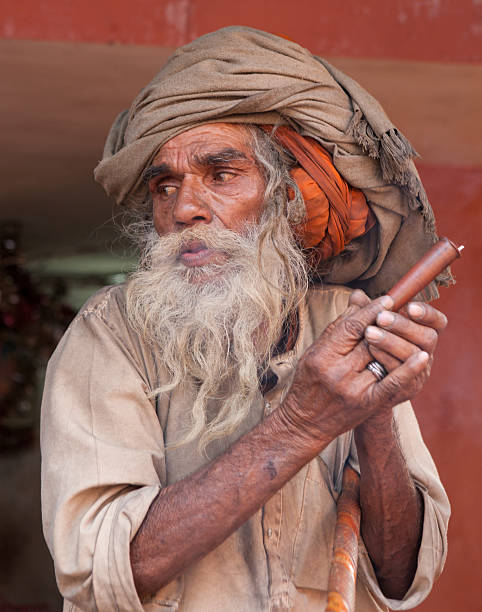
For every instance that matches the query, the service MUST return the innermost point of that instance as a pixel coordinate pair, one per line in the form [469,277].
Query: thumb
[358,298]
[351,327]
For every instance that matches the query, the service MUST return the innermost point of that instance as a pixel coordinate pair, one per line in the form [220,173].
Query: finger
[355,302]
[350,310]
[359,357]
[390,343]
[358,298]
[351,329]
[427,315]
[392,387]
[363,353]
[415,333]
[389,362]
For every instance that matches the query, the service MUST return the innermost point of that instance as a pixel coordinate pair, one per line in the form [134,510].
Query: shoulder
[101,336]
[103,312]
[107,304]
[100,322]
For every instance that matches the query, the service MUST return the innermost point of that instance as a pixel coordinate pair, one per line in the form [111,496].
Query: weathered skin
[332,392]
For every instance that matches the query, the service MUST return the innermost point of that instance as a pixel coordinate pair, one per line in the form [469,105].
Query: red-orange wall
[449,408]
[434,30]
[440,31]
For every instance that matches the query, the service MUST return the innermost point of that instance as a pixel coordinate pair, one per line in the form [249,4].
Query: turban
[242,75]
[336,213]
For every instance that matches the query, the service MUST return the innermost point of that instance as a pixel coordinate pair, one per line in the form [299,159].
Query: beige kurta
[105,459]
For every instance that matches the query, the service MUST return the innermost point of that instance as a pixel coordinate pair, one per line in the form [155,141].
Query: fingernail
[373,333]
[386,301]
[415,310]
[385,318]
[423,356]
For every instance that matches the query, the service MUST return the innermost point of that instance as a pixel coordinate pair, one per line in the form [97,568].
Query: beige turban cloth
[243,75]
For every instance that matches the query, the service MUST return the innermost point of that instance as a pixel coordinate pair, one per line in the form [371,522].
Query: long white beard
[215,325]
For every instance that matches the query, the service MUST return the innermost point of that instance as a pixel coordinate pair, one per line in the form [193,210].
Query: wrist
[300,433]
[376,437]
[379,424]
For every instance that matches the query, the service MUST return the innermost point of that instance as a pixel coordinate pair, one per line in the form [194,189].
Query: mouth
[196,253]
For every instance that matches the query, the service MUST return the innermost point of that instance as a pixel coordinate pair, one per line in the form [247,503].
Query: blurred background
[67,69]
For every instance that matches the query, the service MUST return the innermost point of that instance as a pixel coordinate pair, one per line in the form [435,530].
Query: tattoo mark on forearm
[270,468]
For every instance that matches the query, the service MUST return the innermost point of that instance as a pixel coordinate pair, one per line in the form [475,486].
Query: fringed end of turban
[395,155]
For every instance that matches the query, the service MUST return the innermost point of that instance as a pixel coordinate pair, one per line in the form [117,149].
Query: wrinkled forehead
[229,139]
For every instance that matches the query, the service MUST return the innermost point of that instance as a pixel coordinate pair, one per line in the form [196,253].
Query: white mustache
[225,240]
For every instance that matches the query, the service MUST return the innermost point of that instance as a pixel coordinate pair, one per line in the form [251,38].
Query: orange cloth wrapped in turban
[336,213]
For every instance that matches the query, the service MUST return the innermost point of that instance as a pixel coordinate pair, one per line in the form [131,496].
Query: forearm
[191,517]
[391,506]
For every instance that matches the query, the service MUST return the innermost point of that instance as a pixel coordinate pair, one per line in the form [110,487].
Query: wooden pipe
[441,255]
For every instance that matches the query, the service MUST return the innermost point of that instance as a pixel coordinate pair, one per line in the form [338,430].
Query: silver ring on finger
[377,369]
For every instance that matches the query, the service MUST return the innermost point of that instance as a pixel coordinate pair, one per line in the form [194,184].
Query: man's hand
[397,336]
[332,390]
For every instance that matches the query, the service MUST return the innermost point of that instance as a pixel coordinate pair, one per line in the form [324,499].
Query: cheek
[161,219]
[255,196]
[246,204]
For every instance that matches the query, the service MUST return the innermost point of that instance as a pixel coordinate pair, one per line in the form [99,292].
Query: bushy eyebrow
[216,158]
[220,157]
[154,171]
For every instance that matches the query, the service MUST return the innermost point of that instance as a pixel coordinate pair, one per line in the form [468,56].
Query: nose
[191,205]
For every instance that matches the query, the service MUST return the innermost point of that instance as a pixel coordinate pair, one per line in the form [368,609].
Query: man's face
[207,175]
[215,288]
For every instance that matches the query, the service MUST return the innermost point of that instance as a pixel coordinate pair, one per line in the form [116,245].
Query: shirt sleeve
[433,547]
[102,463]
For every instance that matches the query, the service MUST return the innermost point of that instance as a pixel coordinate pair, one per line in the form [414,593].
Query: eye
[165,191]
[223,176]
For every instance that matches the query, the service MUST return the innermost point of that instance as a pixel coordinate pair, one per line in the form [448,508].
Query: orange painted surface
[439,30]
[343,567]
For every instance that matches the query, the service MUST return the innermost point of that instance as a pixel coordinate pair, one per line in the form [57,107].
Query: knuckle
[425,374]
[354,327]
[351,310]
[329,329]
[416,386]
[390,387]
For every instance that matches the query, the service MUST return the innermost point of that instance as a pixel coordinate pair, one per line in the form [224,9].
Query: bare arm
[392,508]
[332,392]
[191,517]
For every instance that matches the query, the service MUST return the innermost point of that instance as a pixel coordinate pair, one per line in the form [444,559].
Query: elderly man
[197,420]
